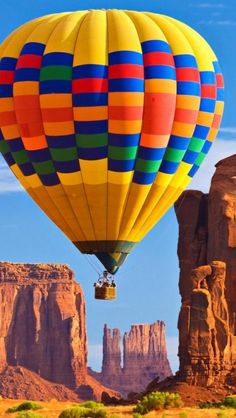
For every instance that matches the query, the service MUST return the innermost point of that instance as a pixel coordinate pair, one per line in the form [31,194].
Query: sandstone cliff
[43,335]
[145,354]
[207,321]
[144,357]
[205,338]
[42,321]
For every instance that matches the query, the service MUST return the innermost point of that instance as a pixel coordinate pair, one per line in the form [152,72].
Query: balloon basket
[105,293]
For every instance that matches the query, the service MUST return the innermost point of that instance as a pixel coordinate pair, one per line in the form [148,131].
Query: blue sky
[148,282]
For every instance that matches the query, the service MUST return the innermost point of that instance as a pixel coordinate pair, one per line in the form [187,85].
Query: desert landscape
[117,280]
[53,409]
[43,336]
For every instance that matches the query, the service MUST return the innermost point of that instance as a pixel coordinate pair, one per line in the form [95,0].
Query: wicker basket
[105,293]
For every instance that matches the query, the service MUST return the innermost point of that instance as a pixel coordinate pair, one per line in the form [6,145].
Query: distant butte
[144,357]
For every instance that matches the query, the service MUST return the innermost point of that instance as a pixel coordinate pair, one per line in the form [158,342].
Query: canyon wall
[144,357]
[42,322]
[207,259]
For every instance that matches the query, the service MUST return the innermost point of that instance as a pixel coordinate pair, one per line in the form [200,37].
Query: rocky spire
[111,365]
[144,357]
[207,232]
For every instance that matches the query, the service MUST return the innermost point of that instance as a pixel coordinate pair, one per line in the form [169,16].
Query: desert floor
[53,408]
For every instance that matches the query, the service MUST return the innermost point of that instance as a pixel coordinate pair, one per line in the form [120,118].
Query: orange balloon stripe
[28,101]
[90,113]
[158,108]
[163,58]
[7,118]
[208,91]
[216,121]
[186,115]
[34,143]
[57,115]
[125,112]
[154,141]
[31,129]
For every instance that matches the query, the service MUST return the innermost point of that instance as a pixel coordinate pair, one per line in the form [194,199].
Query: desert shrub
[82,412]
[74,412]
[172,400]
[209,405]
[28,414]
[25,406]
[92,405]
[136,415]
[156,401]
[230,402]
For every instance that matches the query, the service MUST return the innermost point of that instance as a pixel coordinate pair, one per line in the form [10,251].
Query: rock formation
[42,322]
[205,338]
[207,321]
[20,383]
[43,333]
[111,364]
[144,357]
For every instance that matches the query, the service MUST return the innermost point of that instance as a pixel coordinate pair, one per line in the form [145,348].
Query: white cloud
[172,352]
[210,22]
[222,148]
[8,182]
[228,130]
[208,5]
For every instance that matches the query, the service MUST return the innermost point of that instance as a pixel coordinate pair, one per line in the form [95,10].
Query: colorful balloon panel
[105,117]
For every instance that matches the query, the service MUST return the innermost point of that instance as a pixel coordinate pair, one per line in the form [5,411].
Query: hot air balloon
[105,117]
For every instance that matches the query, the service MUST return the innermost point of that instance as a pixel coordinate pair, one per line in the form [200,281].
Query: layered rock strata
[207,321]
[111,364]
[42,321]
[205,338]
[43,336]
[144,357]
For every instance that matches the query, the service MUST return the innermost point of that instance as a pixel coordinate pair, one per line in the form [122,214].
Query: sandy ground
[53,408]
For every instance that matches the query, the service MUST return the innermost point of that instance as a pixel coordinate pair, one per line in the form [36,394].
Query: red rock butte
[144,357]
[207,259]
[43,330]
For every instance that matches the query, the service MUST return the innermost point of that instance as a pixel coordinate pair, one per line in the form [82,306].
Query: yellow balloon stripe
[65,195]
[119,25]
[163,182]
[93,192]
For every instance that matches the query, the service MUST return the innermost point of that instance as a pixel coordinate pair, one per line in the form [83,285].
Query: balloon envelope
[105,117]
